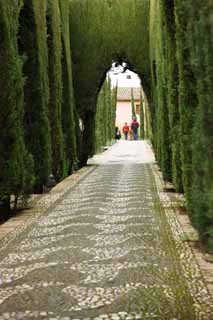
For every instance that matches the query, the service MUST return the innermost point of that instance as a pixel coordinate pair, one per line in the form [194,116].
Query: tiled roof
[125,93]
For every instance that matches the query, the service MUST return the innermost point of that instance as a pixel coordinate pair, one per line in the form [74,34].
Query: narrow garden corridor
[105,250]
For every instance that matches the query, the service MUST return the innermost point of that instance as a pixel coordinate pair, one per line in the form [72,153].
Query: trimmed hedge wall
[38,135]
[142,117]
[68,105]
[33,48]
[200,44]
[54,41]
[105,116]
[181,57]
[54,56]
[16,164]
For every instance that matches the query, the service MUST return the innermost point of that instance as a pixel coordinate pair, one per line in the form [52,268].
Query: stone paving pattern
[108,249]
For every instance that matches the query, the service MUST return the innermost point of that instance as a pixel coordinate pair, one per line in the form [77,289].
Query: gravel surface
[107,250]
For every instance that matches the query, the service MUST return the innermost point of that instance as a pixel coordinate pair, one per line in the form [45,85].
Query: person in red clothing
[134,128]
[126,130]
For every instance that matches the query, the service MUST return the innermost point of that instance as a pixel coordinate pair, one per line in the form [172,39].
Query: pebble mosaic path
[106,250]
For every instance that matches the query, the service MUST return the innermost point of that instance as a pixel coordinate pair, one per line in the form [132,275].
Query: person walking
[126,130]
[117,133]
[134,128]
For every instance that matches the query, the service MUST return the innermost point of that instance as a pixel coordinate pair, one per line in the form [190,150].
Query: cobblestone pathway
[105,251]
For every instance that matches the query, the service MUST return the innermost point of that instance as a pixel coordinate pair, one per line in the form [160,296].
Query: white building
[124,106]
[125,81]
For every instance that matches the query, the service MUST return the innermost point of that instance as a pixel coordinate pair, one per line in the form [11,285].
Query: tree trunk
[4,209]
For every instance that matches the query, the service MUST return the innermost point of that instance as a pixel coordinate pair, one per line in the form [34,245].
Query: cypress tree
[199,39]
[133,103]
[148,132]
[186,78]
[33,46]
[68,106]
[101,117]
[55,85]
[172,91]
[114,106]
[16,176]
[187,95]
[110,110]
[142,126]
[161,129]
[105,115]
[99,121]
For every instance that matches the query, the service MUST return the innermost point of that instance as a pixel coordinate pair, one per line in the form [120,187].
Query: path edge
[205,295]
[17,224]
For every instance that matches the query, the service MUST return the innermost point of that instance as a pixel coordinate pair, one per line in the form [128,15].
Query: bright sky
[124,79]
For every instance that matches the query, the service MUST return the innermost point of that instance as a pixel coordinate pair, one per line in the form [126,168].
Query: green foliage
[182,70]
[16,173]
[133,104]
[33,46]
[187,94]
[148,130]
[54,41]
[199,42]
[113,109]
[68,106]
[172,94]
[142,118]
[97,39]
[159,64]
[105,116]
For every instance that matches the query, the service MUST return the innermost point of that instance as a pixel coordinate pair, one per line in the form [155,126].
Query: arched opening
[98,39]
[94,137]
[121,99]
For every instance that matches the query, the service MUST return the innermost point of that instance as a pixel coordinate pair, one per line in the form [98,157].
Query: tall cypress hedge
[159,64]
[142,118]
[105,115]
[54,40]
[172,92]
[68,105]
[187,94]
[114,93]
[181,68]
[133,103]
[100,121]
[32,40]
[16,164]
[200,45]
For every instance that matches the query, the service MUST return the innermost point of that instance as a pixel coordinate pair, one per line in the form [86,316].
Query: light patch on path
[125,152]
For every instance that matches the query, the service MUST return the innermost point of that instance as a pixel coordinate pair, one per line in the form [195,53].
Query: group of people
[131,129]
